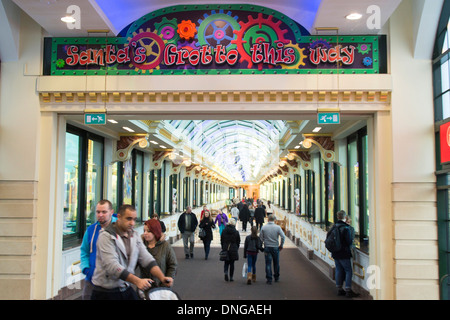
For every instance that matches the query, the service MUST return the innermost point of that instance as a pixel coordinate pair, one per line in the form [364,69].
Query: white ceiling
[117,14]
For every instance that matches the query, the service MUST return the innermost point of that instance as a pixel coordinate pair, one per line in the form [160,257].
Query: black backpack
[333,241]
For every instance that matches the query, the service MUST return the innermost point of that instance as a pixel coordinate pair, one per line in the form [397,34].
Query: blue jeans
[251,263]
[272,254]
[343,272]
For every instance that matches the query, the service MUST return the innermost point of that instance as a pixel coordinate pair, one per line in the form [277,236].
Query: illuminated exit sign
[328,118]
[95,118]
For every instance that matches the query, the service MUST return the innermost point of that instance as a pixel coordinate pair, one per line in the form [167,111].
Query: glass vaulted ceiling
[244,149]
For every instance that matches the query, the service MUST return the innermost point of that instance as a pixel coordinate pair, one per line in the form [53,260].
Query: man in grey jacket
[119,249]
[269,235]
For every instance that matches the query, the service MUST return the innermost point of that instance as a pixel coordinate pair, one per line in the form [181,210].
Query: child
[252,245]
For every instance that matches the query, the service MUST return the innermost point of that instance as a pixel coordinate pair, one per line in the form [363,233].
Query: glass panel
[127,181]
[365,153]
[330,197]
[353,176]
[93,179]
[138,183]
[446,105]
[71,179]
[113,195]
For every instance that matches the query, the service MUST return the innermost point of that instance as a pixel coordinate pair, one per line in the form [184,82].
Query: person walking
[119,249]
[105,215]
[160,250]
[234,212]
[269,236]
[244,216]
[230,241]
[342,257]
[221,220]
[252,246]
[207,224]
[260,214]
[187,223]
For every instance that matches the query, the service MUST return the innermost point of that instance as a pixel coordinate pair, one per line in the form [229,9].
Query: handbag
[224,254]
[202,233]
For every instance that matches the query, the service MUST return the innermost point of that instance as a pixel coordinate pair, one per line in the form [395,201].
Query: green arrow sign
[95,118]
[328,118]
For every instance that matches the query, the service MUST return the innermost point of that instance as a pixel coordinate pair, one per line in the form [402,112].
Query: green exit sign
[328,118]
[95,118]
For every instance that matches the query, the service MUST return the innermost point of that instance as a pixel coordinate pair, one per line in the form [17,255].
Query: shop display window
[83,183]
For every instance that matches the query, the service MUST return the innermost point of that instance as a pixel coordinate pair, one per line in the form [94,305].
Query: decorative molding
[220,96]
[324,143]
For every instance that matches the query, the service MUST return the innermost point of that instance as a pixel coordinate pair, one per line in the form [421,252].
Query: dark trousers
[229,264]
[207,247]
[114,294]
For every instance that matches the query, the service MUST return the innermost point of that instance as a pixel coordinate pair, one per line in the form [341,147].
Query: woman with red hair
[160,249]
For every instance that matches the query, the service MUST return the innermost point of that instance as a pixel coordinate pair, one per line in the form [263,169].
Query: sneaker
[187,256]
[351,294]
[269,282]
[226,277]
[192,255]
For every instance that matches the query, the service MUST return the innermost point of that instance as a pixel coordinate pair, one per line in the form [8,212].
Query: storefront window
[138,184]
[83,181]
[71,183]
[358,204]
[94,179]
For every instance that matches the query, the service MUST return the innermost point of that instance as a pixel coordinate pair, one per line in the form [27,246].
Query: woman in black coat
[207,224]
[230,240]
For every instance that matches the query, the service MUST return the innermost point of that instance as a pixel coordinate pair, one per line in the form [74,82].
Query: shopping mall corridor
[200,279]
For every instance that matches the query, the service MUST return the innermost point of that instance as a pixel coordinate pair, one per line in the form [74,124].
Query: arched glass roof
[241,148]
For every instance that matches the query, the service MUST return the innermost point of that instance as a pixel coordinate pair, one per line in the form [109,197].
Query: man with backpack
[339,242]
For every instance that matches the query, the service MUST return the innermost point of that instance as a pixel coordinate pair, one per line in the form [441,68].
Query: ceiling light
[112,121]
[353,16]
[317,129]
[154,142]
[128,129]
[163,147]
[297,147]
[68,19]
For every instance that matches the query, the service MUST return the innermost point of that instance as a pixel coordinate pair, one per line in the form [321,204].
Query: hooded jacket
[113,264]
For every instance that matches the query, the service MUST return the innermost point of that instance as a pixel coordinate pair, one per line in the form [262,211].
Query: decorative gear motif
[257,31]
[187,29]
[154,46]
[299,57]
[167,29]
[320,43]
[367,61]
[217,28]
[364,48]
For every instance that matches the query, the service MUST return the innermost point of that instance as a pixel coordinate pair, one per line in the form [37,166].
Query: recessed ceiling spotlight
[112,121]
[163,147]
[353,16]
[154,142]
[317,129]
[68,19]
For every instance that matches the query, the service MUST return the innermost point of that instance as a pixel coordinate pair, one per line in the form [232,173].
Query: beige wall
[414,215]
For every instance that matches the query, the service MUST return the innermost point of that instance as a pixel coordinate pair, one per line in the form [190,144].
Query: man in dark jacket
[260,214]
[342,258]
[187,223]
